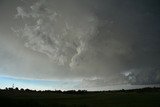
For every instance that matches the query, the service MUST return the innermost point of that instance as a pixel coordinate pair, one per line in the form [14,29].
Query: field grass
[133,98]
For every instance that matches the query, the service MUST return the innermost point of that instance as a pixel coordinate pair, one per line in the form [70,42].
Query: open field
[148,97]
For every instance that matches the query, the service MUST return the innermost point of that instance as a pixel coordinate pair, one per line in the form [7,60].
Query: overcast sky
[89,44]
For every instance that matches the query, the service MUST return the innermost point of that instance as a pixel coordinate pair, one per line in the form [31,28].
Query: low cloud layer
[106,42]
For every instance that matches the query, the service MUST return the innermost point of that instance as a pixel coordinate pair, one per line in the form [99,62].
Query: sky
[79,44]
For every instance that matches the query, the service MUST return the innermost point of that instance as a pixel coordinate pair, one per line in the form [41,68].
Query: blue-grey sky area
[79,44]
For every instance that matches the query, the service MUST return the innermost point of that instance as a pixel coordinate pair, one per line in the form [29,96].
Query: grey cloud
[58,35]
[21,12]
[102,82]
[144,76]
[117,42]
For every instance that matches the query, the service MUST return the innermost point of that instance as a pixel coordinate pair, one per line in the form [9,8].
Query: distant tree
[10,88]
[21,89]
[27,90]
[16,89]
[122,90]
[82,91]
[6,88]
[57,91]
[70,91]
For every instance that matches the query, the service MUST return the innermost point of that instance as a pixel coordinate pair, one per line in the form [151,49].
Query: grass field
[132,98]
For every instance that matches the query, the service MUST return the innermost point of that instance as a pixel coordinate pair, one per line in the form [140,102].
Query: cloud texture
[102,42]
[62,37]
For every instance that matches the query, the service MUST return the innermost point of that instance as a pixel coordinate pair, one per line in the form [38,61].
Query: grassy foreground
[147,97]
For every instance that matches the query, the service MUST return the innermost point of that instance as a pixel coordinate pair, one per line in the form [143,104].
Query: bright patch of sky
[36,84]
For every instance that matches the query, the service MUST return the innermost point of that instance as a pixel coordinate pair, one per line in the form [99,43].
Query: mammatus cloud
[102,42]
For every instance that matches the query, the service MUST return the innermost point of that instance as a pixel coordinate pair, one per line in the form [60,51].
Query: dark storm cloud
[136,27]
[103,42]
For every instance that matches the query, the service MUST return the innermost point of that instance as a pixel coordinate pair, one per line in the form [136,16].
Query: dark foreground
[148,97]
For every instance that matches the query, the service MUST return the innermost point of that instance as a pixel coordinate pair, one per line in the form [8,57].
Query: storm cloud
[100,42]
